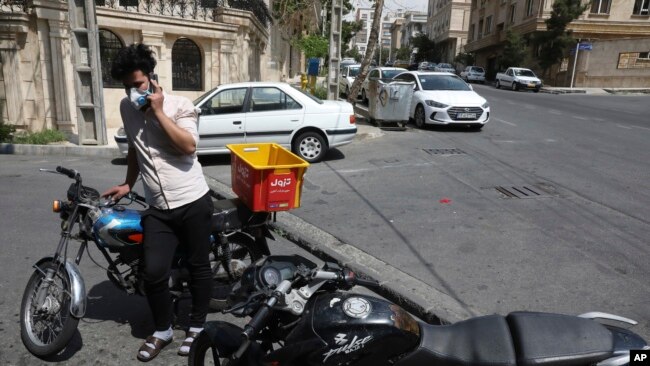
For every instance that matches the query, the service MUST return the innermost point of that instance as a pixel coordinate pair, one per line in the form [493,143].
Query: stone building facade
[448,25]
[196,48]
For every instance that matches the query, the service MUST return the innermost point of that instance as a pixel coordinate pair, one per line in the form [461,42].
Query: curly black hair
[132,58]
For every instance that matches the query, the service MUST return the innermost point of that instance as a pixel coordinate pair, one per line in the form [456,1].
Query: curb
[64,150]
[417,297]
[561,91]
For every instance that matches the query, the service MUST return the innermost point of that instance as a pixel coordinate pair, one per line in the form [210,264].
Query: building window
[634,60]
[641,7]
[488,25]
[471,32]
[513,12]
[529,7]
[186,65]
[600,6]
[109,46]
[474,4]
[480,29]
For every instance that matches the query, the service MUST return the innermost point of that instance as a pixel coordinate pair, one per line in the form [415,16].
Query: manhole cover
[521,192]
[444,151]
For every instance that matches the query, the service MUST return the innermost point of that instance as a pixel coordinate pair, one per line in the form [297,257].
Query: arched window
[186,65]
[109,46]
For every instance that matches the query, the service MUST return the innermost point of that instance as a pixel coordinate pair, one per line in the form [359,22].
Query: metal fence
[185,9]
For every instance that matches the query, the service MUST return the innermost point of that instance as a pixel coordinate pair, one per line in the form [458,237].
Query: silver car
[473,73]
[445,68]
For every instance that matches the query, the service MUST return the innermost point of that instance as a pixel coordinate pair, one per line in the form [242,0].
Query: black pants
[163,231]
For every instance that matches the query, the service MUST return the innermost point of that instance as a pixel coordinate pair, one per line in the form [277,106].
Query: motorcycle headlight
[433,103]
[271,276]
[485,105]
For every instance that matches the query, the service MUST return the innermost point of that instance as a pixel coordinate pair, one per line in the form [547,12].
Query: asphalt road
[581,246]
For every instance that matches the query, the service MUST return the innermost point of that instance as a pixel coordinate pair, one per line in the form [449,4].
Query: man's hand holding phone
[156,97]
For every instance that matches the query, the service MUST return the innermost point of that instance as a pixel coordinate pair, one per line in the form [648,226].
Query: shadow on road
[108,303]
[74,346]
[118,161]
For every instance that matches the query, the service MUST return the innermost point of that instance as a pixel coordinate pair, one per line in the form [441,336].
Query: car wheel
[364,98]
[497,85]
[419,116]
[515,86]
[310,146]
[536,90]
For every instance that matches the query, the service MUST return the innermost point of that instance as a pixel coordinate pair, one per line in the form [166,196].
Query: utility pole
[336,37]
[575,63]
[87,72]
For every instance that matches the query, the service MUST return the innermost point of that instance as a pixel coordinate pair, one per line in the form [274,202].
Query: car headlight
[433,103]
[486,105]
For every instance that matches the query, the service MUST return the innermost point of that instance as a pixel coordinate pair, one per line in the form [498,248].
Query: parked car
[346,62]
[347,77]
[517,78]
[443,67]
[384,73]
[256,112]
[389,63]
[444,99]
[424,65]
[473,73]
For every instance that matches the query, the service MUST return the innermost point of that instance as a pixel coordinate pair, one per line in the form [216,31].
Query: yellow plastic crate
[266,176]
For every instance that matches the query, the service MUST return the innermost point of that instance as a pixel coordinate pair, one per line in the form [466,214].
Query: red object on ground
[445,200]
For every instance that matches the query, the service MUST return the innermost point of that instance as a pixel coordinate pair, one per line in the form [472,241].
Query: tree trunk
[370,51]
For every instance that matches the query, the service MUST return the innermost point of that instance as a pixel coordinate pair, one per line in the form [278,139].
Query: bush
[320,93]
[40,138]
[6,132]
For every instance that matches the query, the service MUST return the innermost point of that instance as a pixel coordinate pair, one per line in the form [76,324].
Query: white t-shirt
[171,179]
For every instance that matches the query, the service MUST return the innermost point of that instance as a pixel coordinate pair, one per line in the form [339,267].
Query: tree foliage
[514,51]
[349,29]
[427,50]
[402,53]
[556,40]
[313,46]
[466,59]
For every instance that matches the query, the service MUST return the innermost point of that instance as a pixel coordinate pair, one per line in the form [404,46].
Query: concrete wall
[599,68]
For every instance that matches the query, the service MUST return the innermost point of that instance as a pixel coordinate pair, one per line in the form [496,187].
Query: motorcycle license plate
[466,115]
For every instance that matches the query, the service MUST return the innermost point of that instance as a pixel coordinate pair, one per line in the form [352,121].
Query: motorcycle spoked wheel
[47,331]
[243,252]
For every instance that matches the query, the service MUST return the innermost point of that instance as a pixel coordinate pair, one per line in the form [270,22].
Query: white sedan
[445,99]
[256,112]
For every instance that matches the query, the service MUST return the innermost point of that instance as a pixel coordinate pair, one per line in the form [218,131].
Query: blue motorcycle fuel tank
[118,227]
[349,329]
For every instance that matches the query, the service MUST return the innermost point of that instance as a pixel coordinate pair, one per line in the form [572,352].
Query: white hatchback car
[256,112]
[444,99]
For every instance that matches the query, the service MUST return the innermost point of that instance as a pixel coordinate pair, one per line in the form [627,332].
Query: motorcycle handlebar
[71,173]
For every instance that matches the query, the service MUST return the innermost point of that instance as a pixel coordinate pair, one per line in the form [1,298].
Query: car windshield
[477,69]
[203,96]
[445,66]
[353,71]
[442,82]
[389,74]
[315,99]
[524,73]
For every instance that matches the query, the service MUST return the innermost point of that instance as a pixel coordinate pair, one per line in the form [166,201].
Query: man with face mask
[162,134]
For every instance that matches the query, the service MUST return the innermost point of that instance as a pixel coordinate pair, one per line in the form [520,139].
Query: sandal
[187,343]
[152,346]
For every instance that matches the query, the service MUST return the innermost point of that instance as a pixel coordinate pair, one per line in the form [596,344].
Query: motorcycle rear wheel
[47,331]
[244,251]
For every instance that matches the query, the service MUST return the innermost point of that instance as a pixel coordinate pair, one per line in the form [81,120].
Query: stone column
[13,29]
[156,40]
[215,65]
[225,54]
[62,76]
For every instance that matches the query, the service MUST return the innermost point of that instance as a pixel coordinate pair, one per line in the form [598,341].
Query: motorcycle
[55,296]
[300,317]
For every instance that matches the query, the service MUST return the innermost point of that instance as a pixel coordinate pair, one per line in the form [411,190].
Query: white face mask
[138,97]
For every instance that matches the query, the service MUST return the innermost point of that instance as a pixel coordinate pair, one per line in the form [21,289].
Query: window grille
[186,65]
[109,46]
[641,7]
[600,6]
[529,7]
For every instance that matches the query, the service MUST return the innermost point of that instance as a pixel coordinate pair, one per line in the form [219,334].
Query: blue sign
[585,46]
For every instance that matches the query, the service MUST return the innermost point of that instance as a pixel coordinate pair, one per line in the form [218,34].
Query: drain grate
[521,192]
[444,151]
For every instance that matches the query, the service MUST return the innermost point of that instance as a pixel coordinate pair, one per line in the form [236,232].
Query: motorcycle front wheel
[46,328]
[202,353]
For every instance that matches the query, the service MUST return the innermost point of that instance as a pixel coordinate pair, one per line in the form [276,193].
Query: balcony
[489,40]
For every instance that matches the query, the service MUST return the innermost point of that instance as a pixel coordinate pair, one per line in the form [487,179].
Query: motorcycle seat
[482,341]
[556,339]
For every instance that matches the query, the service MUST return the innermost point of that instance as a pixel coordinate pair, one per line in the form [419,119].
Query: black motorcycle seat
[555,339]
[233,214]
[483,341]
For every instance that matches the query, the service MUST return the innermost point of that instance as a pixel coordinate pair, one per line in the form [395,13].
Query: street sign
[585,46]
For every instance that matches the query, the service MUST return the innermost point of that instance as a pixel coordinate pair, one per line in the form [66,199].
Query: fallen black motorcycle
[55,296]
[299,317]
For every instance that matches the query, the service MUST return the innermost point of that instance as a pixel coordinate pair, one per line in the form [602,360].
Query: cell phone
[152,76]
